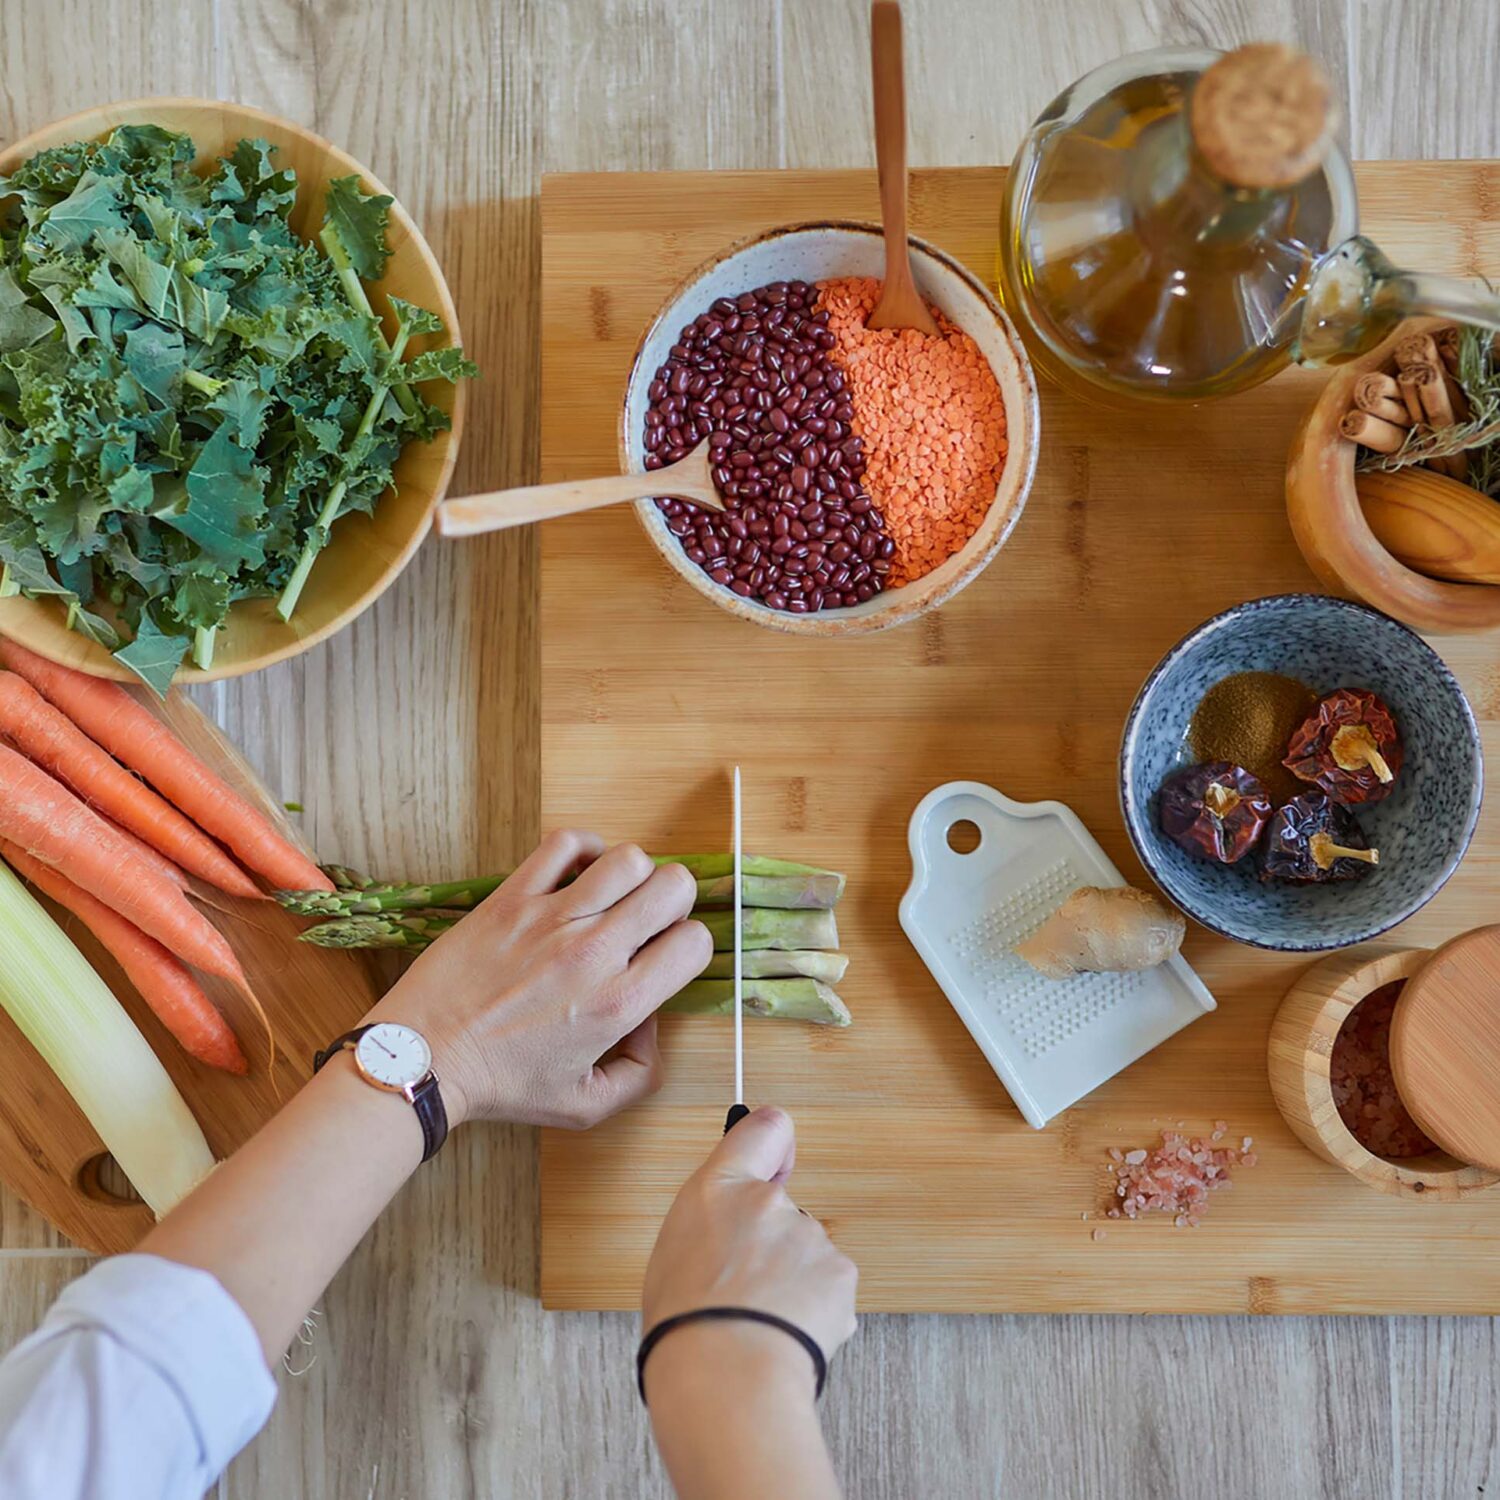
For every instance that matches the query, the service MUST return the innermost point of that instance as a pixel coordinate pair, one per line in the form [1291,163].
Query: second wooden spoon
[901,304]
[688,479]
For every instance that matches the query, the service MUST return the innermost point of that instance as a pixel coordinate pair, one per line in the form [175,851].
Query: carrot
[109,715]
[153,857]
[47,821]
[43,734]
[164,984]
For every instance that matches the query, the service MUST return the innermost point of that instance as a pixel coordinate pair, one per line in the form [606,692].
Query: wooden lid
[1262,116]
[1445,1047]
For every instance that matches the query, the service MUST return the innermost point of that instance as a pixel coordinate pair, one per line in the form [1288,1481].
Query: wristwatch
[397,1060]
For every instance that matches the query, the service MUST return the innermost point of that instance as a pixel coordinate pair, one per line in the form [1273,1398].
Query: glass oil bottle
[1164,218]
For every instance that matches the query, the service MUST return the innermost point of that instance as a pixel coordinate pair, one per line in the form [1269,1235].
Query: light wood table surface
[412,741]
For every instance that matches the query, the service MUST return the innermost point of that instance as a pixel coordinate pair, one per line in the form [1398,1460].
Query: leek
[66,1011]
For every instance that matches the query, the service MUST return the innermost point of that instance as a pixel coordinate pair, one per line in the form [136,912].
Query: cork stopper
[1445,1047]
[1263,116]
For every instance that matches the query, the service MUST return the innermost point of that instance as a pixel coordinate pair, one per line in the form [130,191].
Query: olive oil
[1137,266]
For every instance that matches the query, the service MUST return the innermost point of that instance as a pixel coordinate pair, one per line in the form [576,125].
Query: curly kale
[190,394]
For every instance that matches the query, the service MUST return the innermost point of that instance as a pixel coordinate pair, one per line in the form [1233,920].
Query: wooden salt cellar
[1445,1052]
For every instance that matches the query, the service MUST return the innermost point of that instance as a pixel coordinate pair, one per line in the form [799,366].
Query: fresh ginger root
[1098,931]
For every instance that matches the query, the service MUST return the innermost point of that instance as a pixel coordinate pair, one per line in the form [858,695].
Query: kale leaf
[191,396]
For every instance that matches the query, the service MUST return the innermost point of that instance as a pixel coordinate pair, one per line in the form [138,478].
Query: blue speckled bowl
[1422,829]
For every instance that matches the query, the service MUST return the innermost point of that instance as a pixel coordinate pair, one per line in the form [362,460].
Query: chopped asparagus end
[775,999]
[772,963]
[719,866]
[814,891]
[769,928]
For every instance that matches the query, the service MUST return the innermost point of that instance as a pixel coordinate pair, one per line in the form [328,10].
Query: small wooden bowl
[1332,531]
[366,552]
[1301,1047]
[816,252]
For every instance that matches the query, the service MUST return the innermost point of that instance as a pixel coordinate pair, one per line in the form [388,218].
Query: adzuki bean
[755,377]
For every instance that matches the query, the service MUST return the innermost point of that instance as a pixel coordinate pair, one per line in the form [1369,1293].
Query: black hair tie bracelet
[725,1315]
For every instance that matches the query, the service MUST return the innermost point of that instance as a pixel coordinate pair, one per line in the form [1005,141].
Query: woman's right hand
[540,1007]
[734,1238]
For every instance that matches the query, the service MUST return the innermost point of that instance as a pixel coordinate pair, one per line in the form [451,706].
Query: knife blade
[737,1110]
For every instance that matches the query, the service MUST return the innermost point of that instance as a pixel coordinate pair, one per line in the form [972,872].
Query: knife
[737,1110]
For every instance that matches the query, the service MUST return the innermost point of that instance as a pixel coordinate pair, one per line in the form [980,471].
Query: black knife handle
[737,1112]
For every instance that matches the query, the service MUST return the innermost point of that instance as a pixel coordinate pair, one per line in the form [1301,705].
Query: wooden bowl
[816,252]
[1332,531]
[1301,1047]
[366,552]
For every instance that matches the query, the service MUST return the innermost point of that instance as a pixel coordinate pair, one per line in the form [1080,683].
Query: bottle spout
[1356,297]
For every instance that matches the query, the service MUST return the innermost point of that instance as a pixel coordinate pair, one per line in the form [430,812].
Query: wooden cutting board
[49,1153]
[1140,526]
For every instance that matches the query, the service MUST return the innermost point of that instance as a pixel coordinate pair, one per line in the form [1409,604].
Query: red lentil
[933,420]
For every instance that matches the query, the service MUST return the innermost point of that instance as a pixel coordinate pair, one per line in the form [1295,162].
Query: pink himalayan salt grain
[1364,1087]
[1176,1178]
[1097,1235]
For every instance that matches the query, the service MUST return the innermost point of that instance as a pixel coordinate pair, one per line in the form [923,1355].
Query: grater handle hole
[964,836]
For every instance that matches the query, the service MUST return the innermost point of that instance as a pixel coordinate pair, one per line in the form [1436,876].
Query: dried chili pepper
[1312,839]
[1216,810]
[1348,747]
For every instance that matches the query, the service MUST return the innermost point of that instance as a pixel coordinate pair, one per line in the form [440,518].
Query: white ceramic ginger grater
[1050,1041]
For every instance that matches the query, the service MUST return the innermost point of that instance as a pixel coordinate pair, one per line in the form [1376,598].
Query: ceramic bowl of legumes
[868,477]
[1301,773]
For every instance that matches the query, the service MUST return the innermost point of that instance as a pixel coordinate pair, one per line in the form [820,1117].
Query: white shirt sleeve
[142,1382]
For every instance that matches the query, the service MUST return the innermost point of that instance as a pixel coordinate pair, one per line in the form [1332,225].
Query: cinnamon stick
[1422,349]
[1433,391]
[1417,349]
[1436,396]
[1447,345]
[1372,432]
[1380,383]
[1379,395]
[1407,388]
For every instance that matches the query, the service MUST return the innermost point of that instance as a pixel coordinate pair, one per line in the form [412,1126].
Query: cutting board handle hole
[964,836]
[102,1179]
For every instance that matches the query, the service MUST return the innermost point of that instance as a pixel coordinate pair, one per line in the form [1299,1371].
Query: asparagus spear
[817,889]
[779,999]
[768,963]
[764,928]
[371,900]
[778,996]
[410,931]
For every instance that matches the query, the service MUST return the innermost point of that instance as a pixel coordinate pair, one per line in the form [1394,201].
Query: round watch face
[393,1057]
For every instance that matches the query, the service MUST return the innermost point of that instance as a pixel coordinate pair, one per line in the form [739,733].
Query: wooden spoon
[901,304]
[688,479]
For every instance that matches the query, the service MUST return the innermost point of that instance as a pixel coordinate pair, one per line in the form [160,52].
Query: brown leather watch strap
[426,1098]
